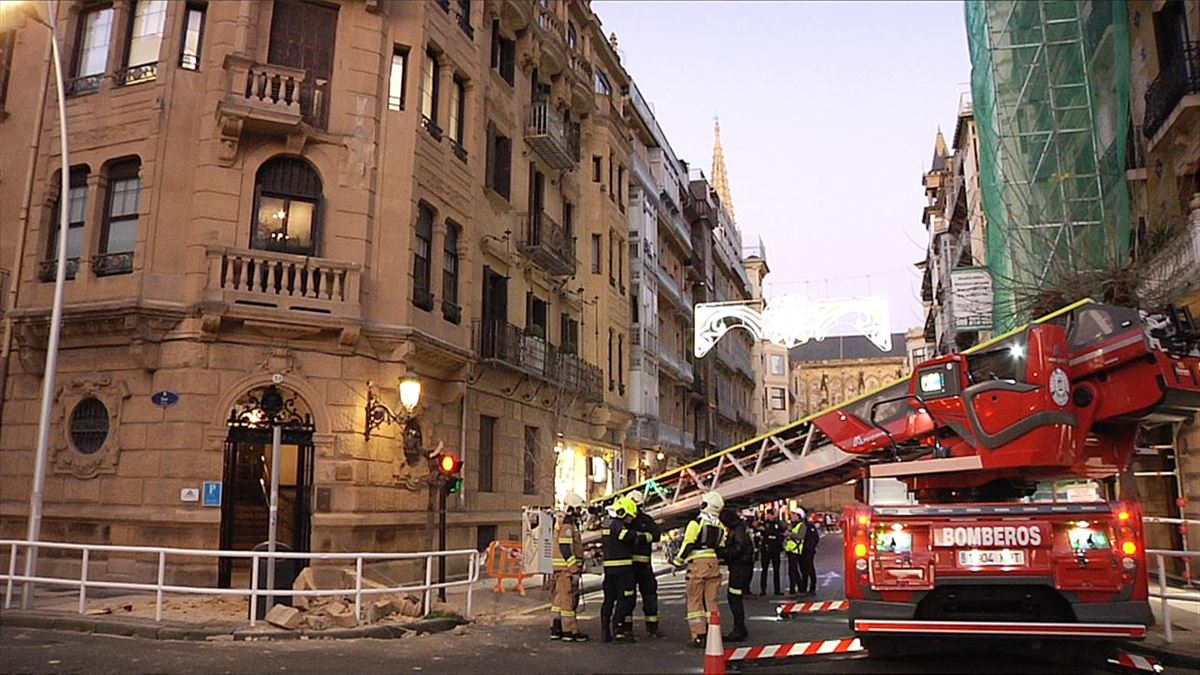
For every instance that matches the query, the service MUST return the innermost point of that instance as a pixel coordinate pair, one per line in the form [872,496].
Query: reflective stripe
[566,614]
[652,619]
[624,533]
[617,563]
[566,540]
[735,591]
[698,614]
[630,592]
[702,553]
[641,558]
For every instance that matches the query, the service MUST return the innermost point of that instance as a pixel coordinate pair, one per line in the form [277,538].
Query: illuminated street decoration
[792,320]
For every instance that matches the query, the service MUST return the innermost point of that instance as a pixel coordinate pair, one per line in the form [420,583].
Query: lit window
[193,33]
[149,17]
[288,211]
[399,78]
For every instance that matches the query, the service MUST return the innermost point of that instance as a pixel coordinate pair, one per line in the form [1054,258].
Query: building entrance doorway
[245,503]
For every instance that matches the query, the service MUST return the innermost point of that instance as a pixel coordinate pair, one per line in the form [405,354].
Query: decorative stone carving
[229,127]
[64,457]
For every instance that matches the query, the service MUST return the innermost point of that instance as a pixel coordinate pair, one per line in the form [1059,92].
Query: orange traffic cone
[714,649]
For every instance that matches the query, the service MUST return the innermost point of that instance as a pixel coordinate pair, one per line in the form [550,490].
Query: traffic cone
[714,648]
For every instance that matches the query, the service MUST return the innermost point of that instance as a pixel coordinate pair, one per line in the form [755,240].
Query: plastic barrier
[504,561]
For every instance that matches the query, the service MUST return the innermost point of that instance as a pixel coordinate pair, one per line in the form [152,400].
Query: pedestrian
[792,545]
[738,554]
[808,554]
[619,582]
[704,535]
[646,534]
[770,548]
[568,566]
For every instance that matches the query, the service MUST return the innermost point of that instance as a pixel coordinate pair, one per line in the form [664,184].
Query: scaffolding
[1050,84]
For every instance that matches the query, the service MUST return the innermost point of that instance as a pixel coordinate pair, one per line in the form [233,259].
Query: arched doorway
[245,514]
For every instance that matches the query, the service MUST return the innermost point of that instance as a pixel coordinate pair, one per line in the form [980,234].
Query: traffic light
[450,466]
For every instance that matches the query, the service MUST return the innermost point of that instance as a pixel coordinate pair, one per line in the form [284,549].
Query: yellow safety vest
[700,540]
[568,535]
[792,546]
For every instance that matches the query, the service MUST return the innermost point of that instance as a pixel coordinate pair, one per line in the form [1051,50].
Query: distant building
[773,403]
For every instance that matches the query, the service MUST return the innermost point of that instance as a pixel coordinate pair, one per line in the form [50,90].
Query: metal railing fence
[1164,594]
[253,592]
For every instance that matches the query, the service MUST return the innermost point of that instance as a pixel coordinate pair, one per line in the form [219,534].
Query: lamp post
[51,369]
[272,405]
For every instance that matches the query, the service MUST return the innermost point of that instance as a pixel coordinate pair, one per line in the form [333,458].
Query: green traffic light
[454,485]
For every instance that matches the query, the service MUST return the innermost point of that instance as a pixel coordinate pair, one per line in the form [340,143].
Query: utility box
[537,540]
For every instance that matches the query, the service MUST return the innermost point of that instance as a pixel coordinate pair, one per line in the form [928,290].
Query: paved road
[518,646]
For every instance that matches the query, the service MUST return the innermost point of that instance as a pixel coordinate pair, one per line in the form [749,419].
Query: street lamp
[379,414]
[51,370]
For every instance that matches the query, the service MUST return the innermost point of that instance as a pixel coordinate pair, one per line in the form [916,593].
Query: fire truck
[980,548]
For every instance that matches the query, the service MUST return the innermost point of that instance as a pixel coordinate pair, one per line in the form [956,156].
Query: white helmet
[713,502]
[637,497]
[573,501]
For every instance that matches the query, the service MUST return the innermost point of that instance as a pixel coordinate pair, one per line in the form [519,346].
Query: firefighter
[568,565]
[619,583]
[738,554]
[646,534]
[703,537]
[793,545]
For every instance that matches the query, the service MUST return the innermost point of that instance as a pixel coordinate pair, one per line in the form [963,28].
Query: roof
[940,153]
[847,347]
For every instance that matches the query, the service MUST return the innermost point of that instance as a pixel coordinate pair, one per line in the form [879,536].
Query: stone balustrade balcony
[281,286]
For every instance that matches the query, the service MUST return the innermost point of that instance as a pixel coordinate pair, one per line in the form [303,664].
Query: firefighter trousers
[739,584]
[703,585]
[620,588]
[566,599]
[647,585]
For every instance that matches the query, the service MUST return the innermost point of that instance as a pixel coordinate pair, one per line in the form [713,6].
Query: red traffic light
[449,464]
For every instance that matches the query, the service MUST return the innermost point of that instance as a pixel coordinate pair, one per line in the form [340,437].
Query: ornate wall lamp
[378,414]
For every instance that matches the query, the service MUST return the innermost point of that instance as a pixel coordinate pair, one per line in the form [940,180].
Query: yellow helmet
[624,506]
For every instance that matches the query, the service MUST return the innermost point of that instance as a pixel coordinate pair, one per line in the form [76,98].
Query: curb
[175,631]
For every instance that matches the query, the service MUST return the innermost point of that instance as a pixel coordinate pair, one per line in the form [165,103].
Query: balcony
[504,344]
[675,366]
[669,288]
[551,137]
[301,286]
[109,264]
[1173,99]
[48,269]
[1177,266]
[549,245]
[647,429]
[268,99]
[553,32]
[670,436]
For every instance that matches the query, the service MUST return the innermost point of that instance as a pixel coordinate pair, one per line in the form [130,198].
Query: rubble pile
[337,611]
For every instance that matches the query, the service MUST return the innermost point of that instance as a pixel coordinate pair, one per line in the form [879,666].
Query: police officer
[793,545]
[704,535]
[568,565]
[808,556]
[770,548]
[619,582]
[738,554]
[647,533]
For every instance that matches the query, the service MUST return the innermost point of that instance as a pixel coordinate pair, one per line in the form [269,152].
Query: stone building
[773,404]
[836,370]
[338,194]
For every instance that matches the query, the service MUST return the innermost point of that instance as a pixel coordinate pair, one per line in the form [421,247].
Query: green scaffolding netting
[1050,87]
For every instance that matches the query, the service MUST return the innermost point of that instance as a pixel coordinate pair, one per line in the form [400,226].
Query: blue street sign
[212,493]
[165,399]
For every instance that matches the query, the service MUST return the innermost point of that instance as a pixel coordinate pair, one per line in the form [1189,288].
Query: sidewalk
[1184,649]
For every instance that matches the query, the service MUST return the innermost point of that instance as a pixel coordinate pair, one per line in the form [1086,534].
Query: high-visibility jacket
[618,543]
[701,539]
[646,532]
[795,539]
[568,551]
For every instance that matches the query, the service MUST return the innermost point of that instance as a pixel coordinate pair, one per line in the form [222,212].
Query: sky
[828,112]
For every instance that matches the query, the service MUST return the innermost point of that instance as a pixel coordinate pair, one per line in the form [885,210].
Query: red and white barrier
[842,646]
[1137,662]
[803,607]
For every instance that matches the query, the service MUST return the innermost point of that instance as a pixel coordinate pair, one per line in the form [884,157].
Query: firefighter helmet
[713,502]
[637,497]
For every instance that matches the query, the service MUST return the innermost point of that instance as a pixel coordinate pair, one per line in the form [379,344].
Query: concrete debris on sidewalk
[286,617]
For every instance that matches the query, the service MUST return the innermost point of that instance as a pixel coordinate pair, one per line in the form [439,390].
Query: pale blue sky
[828,117]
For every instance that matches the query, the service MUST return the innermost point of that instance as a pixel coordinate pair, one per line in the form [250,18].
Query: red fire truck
[982,549]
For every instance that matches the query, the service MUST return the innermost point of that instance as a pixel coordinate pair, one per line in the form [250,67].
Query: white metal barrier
[1164,594]
[254,592]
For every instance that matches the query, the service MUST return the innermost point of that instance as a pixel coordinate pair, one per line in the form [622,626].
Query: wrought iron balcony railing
[503,343]
[48,269]
[549,244]
[1179,78]
[551,137]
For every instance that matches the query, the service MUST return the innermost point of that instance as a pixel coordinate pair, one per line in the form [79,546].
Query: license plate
[977,558]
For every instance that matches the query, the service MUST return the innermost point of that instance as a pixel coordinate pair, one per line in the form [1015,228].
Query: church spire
[720,176]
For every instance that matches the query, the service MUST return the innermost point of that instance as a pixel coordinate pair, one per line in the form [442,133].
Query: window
[76,210]
[611,187]
[193,35]
[504,55]
[464,18]
[89,425]
[778,398]
[484,536]
[120,228]
[288,213]
[602,85]
[568,334]
[450,309]
[145,39]
[398,80]
[596,168]
[487,452]
[536,314]
[621,266]
[8,39]
[612,270]
[458,117]
[572,36]
[595,254]
[621,187]
[91,51]
[621,363]
[498,175]
[568,220]
[431,75]
[531,456]
[422,243]
[611,383]
[778,364]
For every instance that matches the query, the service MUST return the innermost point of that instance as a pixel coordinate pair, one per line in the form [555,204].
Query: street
[517,644]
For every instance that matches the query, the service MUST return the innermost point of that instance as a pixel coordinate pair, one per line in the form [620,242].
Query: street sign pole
[443,484]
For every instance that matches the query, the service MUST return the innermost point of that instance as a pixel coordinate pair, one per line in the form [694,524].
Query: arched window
[287,207]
